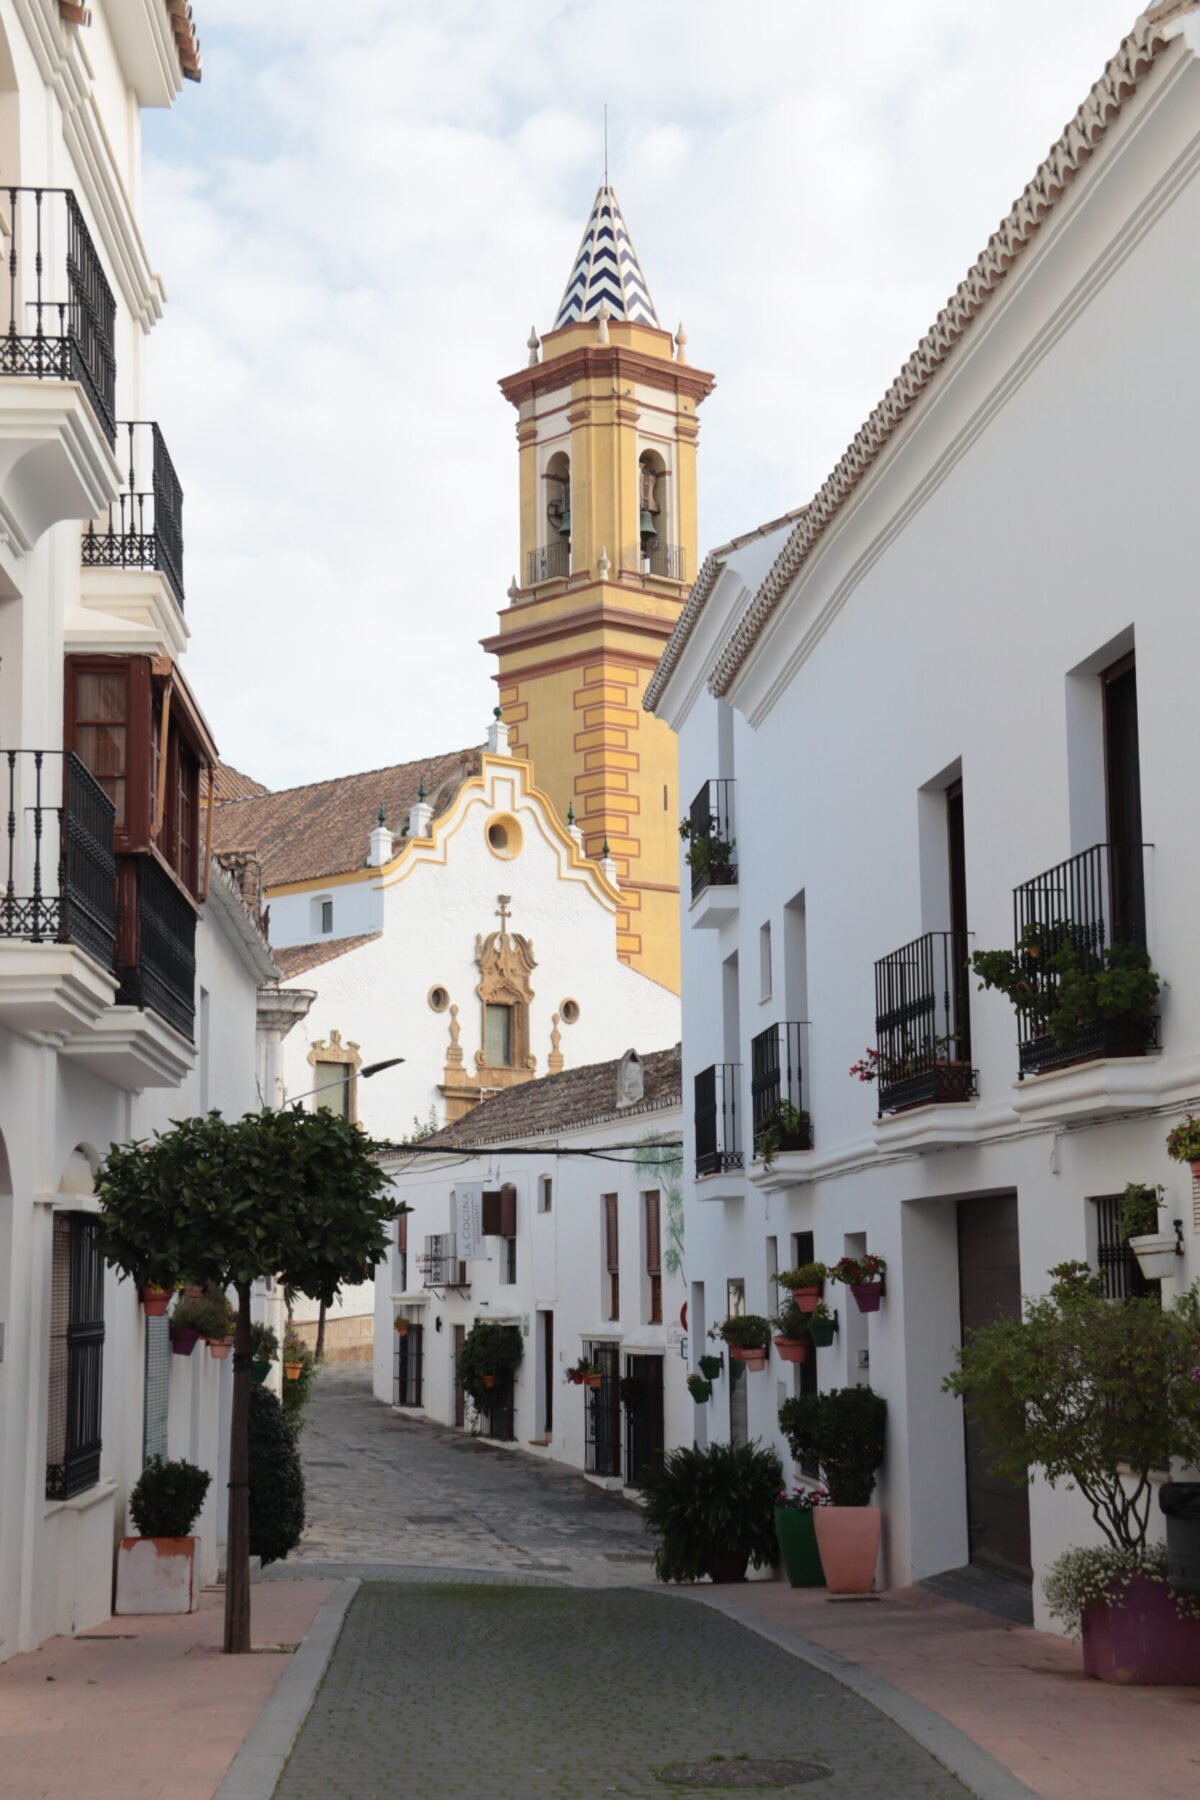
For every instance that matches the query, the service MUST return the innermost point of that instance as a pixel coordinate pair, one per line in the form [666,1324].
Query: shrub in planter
[843,1432]
[1115,986]
[789,1129]
[210,1315]
[712,1510]
[797,1537]
[748,1336]
[1097,1396]
[297,1389]
[710,1367]
[489,1348]
[1183,1143]
[156,1571]
[167,1499]
[1135,1627]
[264,1344]
[805,1283]
[699,1389]
[276,1479]
[792,1337]
[822,1325]
[1137,1217]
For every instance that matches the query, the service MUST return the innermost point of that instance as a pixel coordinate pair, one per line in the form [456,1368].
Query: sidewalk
[144,1707]
[1020,1694]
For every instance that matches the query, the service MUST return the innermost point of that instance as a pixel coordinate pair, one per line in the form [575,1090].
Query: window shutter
[611,1250]
[490,1222]
[508,1211]
[402,1232]
[653,1235]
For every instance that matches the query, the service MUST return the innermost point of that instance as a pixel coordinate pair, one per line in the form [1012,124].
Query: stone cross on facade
[502,910]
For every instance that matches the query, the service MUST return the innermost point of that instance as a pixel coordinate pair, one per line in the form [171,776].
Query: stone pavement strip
[515,1693]
[144,1707]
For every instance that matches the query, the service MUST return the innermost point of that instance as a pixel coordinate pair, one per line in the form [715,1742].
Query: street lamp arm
[365,1074]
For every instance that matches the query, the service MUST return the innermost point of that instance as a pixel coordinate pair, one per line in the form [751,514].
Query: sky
[362,209]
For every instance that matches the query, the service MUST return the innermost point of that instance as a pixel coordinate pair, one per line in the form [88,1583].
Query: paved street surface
[543,1694]
[384,1492]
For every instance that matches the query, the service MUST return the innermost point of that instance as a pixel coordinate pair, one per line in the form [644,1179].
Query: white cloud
[362,208]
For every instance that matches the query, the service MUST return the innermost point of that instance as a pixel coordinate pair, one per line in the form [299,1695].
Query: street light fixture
[363,1074]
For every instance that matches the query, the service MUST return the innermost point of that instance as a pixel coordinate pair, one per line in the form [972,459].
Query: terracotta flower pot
[593,1381]
[867,1295]
[1195,1168]
[807,1298]
[220,1347]
[489,1381]
[792,1350]
[1139,1638]
[184,1340]
[753,1358]
[848,1539]
[292,1370]
[155,1301]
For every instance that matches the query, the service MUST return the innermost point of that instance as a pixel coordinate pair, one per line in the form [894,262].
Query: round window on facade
[504,836]
[568,1012]
[438,999]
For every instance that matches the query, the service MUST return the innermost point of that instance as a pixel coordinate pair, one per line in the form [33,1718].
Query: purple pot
[867,1295]
[184,1340]
[1140,1639]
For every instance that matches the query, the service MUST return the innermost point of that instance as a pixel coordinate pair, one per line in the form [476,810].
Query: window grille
[410,1366]
[1115,1260]
[76,1356]
[602,1412]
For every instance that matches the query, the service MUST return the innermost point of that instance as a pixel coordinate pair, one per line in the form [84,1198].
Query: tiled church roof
[557,1102]
[606,268]
[306,833]
[298,959]
[231,784]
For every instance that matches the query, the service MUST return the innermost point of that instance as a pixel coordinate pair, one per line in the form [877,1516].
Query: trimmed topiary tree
[167,1498]
[217,1203]
[844,1433]
[489,1348]
[713,1510]
[276,1479]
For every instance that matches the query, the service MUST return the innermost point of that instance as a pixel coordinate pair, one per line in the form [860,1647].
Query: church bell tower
[606,434]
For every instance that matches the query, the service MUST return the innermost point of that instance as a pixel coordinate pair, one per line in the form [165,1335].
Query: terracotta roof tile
[298,959]
[231,784]
[556,1102]
[307,833]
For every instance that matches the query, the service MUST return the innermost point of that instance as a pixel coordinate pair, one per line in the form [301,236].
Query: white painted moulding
[158,1575]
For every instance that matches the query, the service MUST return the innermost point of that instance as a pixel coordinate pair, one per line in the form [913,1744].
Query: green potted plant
[864,1276]
[1183,1144]
[797,1537]
[792,1338]
[1137,1215]
[157,1570]
[400,1325]
[489,1349]
[710,1366]
[844,1432]
[748,1337]
[296,1354]
[1064,989]
[805,1283]
[789,1128]
[699,1389]
[1098,1397]
[822,1325]
[712,1510]
[264,1350]
[195,1318]
[708,854]
[580,1373]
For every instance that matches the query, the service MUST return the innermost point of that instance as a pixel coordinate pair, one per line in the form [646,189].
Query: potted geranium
[792,1339]
[1183,1144]
[805,1283]
[844,1433]
[864,1276]
[788,1128]
[155,1300]
[1099,1396]
[797,1537]
[1137,1216]
[822,1325]
[157,1570]
[748,1337]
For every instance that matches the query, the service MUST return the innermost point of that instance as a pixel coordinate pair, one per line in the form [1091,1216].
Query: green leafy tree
[489,1348]
[1094,1393]
[221,1203]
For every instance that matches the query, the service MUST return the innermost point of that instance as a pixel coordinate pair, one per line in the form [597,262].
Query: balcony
[549,562]
[777,1090]
[922,1024]
[157,961]
[59,893]
[439,1263]
[56,427]
[1080,914]
[710,855]
[668,561]
[718,1136]
[144,525]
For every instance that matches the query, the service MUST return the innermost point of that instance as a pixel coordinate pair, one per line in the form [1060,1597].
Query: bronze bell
[649,530]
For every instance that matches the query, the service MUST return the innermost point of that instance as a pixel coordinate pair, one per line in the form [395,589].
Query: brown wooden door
[460,1403]
[989,1278]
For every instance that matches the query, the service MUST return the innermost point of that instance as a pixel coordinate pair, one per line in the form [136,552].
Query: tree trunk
[319,1353]
[237,1534]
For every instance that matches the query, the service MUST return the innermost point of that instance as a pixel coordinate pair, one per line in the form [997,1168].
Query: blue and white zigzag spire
[606,269]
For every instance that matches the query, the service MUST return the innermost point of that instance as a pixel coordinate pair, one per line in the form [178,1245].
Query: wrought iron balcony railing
[1091,902]
[61,311]
[548,562]
[777,1088]
[163,976]
[718,1134]
[439,1263]
[59,869]
[711,844]
[922,1023]
[144,528]
[667,560]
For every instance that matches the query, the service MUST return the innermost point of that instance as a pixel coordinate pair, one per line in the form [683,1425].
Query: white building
[967,661]
[556,1207]
[130,959]
[479,943]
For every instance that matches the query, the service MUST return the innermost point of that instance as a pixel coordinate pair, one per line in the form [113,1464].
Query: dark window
[1122,771]
[545,1193]
[956,844]
[76,1356]
[326,917]
[612,1255]
[1117,1263]
[602,1412]
[650,1204]
[402,1252]
[410,1358]
[490,1213]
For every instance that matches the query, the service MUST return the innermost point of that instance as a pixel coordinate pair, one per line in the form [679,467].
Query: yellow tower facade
[606,435]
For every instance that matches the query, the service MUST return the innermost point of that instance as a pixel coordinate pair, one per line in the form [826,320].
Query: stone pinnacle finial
[681,339]
[602,564]
[604,315]
[514,592]
[533,344]
[421,789]
[381,815]
[570,812]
